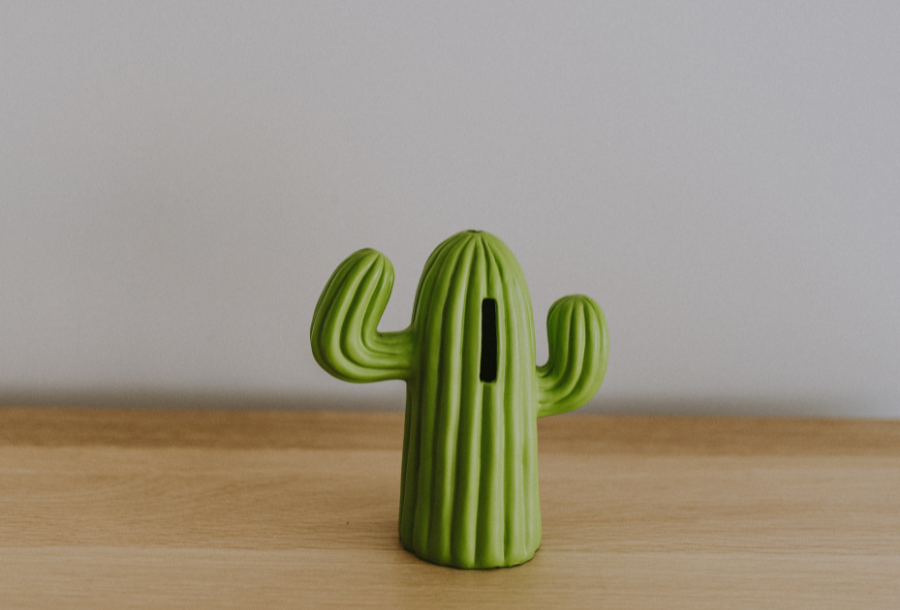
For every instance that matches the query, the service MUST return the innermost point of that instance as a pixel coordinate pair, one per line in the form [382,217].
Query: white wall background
[178,181]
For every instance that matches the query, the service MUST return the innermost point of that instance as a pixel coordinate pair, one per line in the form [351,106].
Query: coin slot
[488,340]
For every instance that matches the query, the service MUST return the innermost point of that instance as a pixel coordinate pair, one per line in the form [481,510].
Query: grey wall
[178,180]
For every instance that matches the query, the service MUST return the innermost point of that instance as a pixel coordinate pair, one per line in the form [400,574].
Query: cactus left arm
[579,346]
[344,336]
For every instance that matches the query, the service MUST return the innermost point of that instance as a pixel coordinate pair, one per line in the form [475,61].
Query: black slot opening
[488,340]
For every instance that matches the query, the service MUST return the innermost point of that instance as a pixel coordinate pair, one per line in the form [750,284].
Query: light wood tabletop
[116,508]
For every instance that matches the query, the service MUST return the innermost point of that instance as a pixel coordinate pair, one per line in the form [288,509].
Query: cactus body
[469,479]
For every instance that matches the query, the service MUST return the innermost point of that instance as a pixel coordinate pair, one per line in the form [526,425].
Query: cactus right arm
[579,349]
[344,336]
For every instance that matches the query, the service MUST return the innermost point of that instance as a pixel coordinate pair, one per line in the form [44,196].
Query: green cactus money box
[469,477]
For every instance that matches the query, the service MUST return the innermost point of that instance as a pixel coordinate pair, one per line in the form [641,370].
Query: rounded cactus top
[471,264]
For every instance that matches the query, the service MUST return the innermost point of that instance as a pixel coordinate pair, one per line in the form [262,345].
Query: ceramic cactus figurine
[469,479]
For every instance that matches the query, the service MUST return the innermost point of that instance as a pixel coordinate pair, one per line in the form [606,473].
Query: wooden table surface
[107,508]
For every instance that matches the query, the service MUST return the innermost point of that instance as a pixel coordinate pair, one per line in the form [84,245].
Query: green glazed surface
[469,480]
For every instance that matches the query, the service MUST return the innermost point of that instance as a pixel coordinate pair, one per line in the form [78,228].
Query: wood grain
[234,509]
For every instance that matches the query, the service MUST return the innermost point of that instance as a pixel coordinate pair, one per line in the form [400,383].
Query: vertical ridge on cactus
[469,481]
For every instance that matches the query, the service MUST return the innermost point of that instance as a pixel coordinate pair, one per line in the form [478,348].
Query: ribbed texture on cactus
[469,479]
[469,484]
